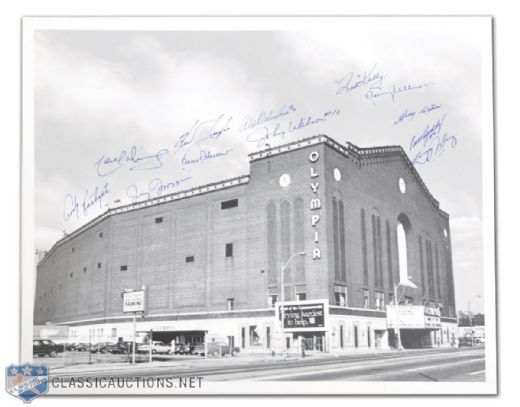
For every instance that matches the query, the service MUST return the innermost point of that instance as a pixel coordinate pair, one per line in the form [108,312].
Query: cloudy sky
[122,116]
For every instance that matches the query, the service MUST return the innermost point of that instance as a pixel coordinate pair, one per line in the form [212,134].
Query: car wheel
[234,353]
[215,353]
[52,354]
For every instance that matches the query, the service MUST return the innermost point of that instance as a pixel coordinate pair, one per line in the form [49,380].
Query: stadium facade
[366,247]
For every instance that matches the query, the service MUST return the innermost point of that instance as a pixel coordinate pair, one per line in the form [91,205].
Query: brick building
[211,257]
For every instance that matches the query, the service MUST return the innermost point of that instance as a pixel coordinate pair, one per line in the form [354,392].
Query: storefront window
[254,336]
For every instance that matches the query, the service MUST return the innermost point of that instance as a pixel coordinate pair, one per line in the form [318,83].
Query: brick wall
[83,278]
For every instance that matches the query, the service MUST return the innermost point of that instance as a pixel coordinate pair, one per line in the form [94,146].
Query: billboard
[303,315]
[133,301]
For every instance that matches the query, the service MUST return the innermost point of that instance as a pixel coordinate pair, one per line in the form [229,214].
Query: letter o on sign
[314,156]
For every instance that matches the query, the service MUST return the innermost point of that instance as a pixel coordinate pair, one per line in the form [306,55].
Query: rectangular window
[114,332]
[380,300]
[272,299]
[229,249]
[101,235]
[391,298]
[158,220]
[340,296]
[230,304]
[124,268]
[300,293]
[232,203]
[366,299]
[99,265]
[190,259]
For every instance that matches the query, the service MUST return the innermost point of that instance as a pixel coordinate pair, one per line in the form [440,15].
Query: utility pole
[282,312]
[397,325]
[282,300]
[470,321]
[133,344]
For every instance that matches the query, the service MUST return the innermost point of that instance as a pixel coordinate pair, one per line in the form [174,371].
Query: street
[464,364]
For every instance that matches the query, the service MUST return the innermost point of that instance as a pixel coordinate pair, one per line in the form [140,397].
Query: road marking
[443,364]
[476,373]
[335,370]
[213,370]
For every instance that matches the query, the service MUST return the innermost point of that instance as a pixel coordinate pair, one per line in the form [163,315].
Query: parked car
[42,347]
[82,347]
[198,349]
[70,347]
[216,349]
[119,348]
[157,347]
[100,347]
[465,341]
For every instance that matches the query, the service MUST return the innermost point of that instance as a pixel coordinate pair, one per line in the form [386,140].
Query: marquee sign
[412,317]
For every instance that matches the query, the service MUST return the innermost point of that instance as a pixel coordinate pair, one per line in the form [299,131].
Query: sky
[121,116]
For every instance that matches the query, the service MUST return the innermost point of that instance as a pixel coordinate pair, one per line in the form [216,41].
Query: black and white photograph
[258,205]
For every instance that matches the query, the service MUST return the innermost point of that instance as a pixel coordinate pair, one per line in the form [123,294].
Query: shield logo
[27,381]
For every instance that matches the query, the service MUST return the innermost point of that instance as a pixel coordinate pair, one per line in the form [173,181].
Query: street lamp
[282,295]
[407,283]
[470,317]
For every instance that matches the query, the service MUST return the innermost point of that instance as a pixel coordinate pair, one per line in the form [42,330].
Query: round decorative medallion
[285,180]
[337,174]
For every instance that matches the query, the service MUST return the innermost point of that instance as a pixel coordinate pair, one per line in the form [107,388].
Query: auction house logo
[27,381]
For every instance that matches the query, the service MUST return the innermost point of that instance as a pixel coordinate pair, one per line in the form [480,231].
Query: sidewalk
[241,359]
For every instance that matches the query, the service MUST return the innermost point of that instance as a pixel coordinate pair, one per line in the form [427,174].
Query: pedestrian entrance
[312,341]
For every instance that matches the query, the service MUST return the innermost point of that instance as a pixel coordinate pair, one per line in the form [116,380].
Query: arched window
[403,226]
[272,243]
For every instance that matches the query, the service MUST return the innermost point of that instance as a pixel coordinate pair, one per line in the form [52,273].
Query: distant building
[211,258]
[39,255]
